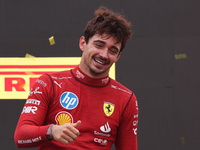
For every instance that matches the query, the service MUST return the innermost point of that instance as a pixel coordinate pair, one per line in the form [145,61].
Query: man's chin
[97,71]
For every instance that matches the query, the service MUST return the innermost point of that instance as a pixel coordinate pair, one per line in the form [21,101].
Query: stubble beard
[95,70]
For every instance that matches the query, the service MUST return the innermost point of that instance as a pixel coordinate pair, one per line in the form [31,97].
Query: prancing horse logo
[108,108]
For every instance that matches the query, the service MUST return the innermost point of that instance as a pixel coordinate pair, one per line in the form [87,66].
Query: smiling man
[89,110]
[99,54]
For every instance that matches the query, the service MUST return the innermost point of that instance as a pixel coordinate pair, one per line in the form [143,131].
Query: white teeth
[100,62]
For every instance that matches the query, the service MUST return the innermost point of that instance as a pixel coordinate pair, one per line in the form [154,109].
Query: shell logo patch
[63,117]
[108,108]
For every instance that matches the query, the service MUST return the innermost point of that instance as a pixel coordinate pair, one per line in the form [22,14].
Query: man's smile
[100,60]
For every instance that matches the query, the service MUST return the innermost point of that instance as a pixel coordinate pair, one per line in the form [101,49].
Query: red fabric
[70,96]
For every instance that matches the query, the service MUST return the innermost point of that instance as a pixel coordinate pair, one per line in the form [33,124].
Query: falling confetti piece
[51,40]
[182,140]
[20,83]
[29,73]
[29,56]
[180,56]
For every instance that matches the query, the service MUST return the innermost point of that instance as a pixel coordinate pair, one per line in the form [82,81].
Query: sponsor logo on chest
[69,100]
[105,129]
[63,117]
[108,108]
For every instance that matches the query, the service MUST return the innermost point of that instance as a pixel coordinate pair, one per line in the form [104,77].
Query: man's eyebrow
[99,41]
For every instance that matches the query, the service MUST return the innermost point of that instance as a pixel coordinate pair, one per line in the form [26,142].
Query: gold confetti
[29,56]
[51,40]
[182,140]
[180,56]
[29,73]
[20,83]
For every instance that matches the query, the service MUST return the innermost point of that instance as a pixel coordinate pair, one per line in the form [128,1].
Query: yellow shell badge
[108,108]
[63,117]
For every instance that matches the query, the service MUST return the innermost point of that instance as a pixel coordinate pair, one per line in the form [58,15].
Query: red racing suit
[108,112]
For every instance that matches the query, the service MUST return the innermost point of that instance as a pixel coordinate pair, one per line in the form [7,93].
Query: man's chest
[95,107]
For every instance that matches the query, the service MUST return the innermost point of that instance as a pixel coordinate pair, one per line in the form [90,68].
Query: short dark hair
[110,23]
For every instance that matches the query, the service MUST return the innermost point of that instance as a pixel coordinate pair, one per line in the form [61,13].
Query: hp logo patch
[69,100]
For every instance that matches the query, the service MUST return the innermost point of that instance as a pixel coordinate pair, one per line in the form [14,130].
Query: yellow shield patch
[108,108]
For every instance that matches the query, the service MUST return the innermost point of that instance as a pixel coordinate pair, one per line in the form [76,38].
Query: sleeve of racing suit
[30,131]
[127,131]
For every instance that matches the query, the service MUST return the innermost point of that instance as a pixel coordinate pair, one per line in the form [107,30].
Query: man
[83,108]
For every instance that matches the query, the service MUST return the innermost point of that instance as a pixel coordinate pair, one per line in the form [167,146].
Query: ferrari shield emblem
[108,108]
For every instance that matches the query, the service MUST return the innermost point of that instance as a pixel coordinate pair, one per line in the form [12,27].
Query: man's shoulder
[57,75]
[119,87]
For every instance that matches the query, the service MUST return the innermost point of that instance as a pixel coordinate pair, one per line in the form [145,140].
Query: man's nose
[104,53]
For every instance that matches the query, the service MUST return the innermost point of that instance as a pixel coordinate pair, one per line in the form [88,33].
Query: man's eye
[98,45]
[113,51]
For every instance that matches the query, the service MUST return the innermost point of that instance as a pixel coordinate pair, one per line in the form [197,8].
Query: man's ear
[82,43]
